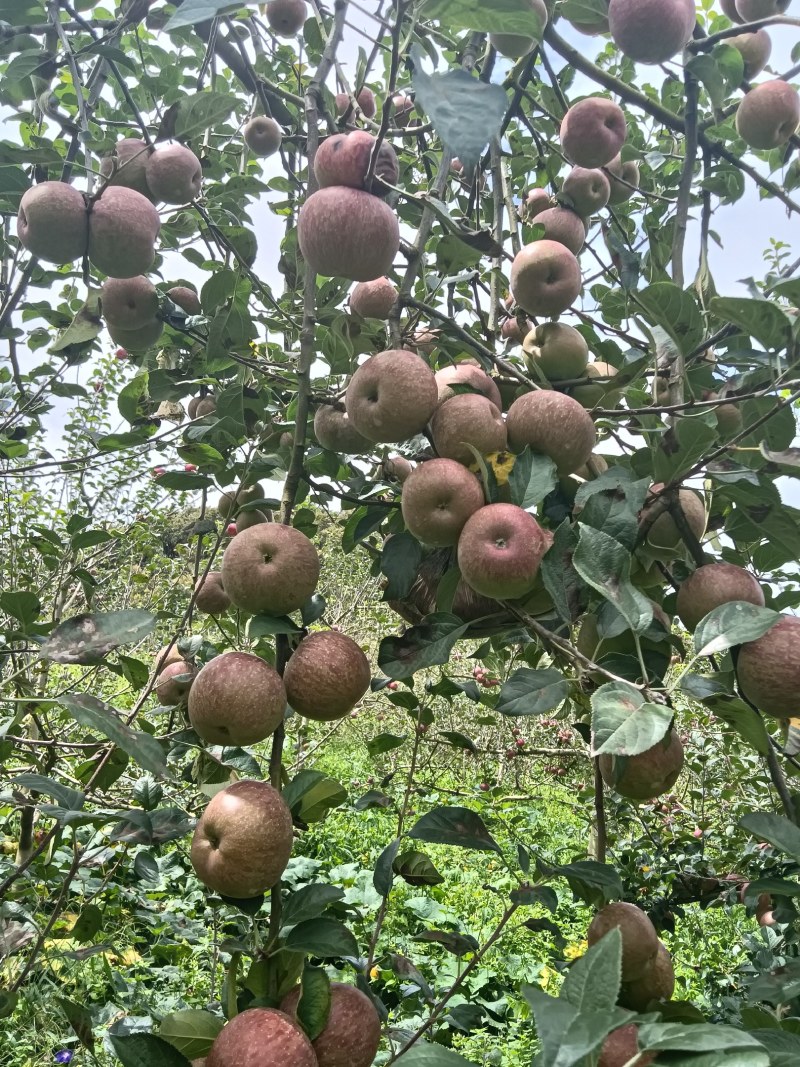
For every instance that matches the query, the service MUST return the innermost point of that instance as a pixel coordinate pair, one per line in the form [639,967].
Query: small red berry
[392,685]
[190,468]
[121,353]
[158,471]
[231,529]
[484,787]
[521,742]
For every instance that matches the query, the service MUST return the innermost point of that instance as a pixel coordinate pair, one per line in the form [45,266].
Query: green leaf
[79,1019]
[762,319]
[424,1055]
[132,399]
[560,578]
[86,639]
[466,113]
[311,795]
[734,623]
[182,481]
[269,626]
[416,868]
[191,1031]
[592,984]
[783,1047]
[623,724]
[427,645]
[400,560]
[675,311]
[458,740]
[21,604]
[201,111]
[308,902]
[147,1050]
[194,11]
[314,1005]
[502,16]
[776,829]
[716,693]
[100,717]
[384,743]
[88,924]
[683,445]
[532,692]
[383,878]
[605,565]
[531,479]
[69,799]
[730,1046]
[593,882]
[325,938]
[454,826]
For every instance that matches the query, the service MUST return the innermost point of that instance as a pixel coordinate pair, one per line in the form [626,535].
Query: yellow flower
[571,952]
[375,973]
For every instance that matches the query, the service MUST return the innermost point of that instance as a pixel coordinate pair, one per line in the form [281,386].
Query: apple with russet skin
[753,10]
[237,699]
[755,49]
[374,300]
[326,676]
[593,131]
[403,110]
[656,982]
[365,98]
[648,774]
[286,18]
[334,431]
[352,1033]
[467,373]
[588,189]
[123,227]
[515,45]
[557,350]
[623,180]
[127,165]
[536,201]
[348,233]
[243,840]
[468,419]
[270,569]
[664,539]
[554,425]
[174,683]
[186,299]
[343,159]
[392,396]
[621,1048]
[174,174]
[563,225]
[639,938]
[210,595]
[129,303]
[545,278]
[438,498]
[262,135]
[712,585]
[651,31]
[768,115]
[52,222]
[768,669]
[500,550]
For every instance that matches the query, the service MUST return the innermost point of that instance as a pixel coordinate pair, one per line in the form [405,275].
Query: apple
[348,233]
[326,676]
[768,115]
[392,396]
[352,1034]
[588,190]
[468,419]
[593,131]
[639,938]
[499,551]
[270,569]
[554,425]
[438,498]
[713,585]
[237,699]
[651,31]
[545,278]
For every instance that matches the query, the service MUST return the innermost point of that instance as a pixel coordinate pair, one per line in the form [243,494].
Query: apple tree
[431,292]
